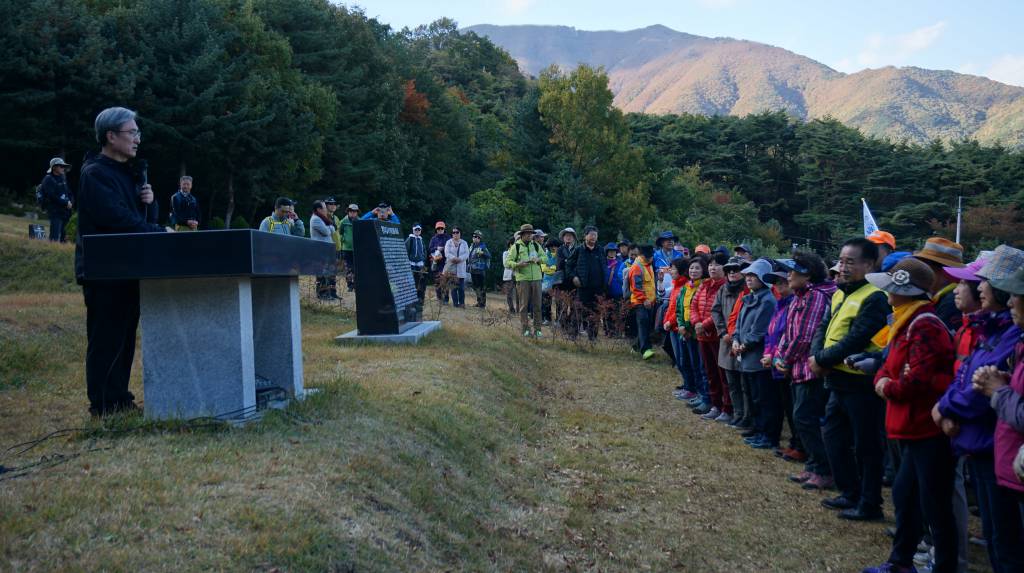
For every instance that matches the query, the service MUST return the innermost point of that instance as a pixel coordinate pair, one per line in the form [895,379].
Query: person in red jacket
[916,373]
[707,334]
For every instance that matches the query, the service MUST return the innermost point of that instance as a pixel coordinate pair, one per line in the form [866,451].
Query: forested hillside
[262,98]
[659,70]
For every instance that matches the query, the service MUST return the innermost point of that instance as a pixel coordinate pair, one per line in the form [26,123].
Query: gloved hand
[866,362]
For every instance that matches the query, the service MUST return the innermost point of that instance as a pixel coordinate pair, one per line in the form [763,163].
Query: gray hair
[111,119]
[185,178]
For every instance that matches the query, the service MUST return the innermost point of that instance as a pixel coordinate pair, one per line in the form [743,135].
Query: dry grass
[477,450]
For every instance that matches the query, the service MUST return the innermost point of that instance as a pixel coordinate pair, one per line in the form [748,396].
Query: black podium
[220,313]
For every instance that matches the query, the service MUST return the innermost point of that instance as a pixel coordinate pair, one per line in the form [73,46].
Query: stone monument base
[411,335]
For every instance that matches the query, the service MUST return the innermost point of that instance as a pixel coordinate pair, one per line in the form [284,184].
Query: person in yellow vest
[854,414]
[642,298]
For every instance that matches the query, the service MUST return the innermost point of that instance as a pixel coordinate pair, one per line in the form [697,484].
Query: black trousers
[923,494]
[853,434]
[479,288]
[111,321]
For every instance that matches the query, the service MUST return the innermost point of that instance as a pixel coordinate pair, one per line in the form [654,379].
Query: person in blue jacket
[382,211]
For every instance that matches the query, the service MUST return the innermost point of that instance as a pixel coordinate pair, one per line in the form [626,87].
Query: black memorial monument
[386,301]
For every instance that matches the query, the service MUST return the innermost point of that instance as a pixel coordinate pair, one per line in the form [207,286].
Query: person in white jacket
[321,228]
[456,251]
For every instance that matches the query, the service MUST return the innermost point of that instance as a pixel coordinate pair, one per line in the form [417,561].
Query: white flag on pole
[869,222]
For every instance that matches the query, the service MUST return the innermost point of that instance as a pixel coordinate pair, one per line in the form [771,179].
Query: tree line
[304,98]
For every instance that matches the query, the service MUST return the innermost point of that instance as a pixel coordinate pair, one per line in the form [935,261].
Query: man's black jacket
[108,202]
[590,268]
[871,317]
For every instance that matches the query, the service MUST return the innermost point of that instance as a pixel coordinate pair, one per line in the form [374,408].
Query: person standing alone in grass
[57,198]
[112,200]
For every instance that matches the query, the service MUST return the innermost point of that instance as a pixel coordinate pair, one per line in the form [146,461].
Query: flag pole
[959,210]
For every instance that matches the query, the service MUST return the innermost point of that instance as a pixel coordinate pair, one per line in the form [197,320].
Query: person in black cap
[417,252]
[742,251]
[382,211]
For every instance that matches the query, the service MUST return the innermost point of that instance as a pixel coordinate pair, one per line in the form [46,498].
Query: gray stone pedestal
[205,340]
[277,332]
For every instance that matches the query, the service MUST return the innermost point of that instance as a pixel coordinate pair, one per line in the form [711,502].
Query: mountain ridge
[659,70]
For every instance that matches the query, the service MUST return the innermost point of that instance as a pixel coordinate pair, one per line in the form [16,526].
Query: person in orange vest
[642,297]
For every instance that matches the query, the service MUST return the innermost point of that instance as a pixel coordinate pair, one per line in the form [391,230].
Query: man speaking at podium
[114,197]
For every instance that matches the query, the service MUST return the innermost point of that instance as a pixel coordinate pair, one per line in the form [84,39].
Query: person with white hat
[56,198]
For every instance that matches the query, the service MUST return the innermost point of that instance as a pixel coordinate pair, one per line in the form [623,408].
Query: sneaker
[735,424]
[819,482]
[764,444]
[889,568]
[538,334]
[695,401]
[754,438]
[801,477]
[702,409]
[750,433]
[724,418]
[711,414]
[648,354]
[526,333]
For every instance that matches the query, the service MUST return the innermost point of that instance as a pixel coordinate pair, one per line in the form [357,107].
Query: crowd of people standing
[891,368]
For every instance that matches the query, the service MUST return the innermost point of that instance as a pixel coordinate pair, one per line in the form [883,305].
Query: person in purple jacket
[965,415]
[794,452]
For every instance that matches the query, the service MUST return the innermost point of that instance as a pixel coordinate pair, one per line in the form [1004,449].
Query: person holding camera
[57,198]
[113,197]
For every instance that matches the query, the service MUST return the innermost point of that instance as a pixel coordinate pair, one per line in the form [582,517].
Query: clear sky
[979,37]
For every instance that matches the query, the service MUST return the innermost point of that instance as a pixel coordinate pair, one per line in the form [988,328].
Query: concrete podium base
[411,335]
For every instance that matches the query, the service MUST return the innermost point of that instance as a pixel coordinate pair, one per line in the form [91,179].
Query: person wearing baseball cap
[938,253]
[917,371]
[437,260]
[702,250]
[417,252]
[742,251]
[56,198]
[479,262]
[540,236]
[886,244]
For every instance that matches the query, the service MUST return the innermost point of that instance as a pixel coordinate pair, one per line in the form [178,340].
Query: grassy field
[475,451]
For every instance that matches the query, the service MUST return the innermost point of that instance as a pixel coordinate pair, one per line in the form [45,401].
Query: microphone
[142,166]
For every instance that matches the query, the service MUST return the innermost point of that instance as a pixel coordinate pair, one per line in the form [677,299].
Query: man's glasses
[135,133]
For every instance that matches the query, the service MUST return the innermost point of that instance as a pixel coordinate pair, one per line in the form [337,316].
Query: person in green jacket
[345,230]
[524,258]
